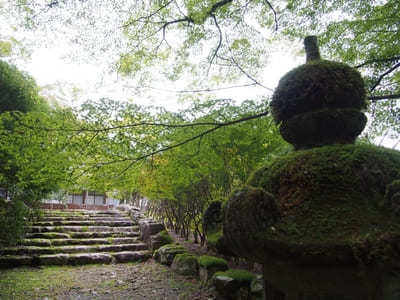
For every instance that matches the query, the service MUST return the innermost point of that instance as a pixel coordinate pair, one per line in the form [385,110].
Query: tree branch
[249,76]
[378,60]
[205,90]
[384,97]
[219,41]
[383,76]
[193,138]
[148,16]
[218,5]
[275,14]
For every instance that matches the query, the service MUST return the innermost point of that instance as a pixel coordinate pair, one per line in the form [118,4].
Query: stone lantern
[323,220]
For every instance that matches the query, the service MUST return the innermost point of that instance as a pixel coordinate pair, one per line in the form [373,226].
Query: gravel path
[147,280]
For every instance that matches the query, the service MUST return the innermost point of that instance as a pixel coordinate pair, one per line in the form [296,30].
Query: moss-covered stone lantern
[319,102]
[324,220]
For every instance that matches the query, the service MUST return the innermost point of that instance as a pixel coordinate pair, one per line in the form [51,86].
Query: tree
[33,162]
[183,181]
[209,43]
[19,91]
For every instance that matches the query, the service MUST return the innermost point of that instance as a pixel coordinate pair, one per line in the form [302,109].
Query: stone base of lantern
[285,280]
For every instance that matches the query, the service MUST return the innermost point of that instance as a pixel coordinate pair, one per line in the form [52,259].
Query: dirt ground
[146,280]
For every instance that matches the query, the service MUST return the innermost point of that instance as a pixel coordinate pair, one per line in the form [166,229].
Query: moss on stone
[213,238]
[212,219]
[317,85]
[185,257]
[216,242]
[209,262]
[242,276]
[323,127]
[167,239]
[167,253]
[392,197]
[329,199]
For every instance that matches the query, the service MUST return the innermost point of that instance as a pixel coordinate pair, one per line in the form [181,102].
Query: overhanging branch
[193,138]
[384,97]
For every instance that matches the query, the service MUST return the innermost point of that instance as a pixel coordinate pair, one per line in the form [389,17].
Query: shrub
[13,216]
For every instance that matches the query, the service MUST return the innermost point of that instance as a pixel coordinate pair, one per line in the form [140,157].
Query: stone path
[145,280]
[78,237]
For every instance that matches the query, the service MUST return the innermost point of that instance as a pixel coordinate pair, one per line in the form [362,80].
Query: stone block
[128,256]
[233,284]
[166,254]
[55,259]
[185,264]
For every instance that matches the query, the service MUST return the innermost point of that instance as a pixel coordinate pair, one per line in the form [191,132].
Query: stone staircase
[76,237]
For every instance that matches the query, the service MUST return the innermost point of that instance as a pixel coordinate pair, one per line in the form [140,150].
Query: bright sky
[48,67]
[73,81]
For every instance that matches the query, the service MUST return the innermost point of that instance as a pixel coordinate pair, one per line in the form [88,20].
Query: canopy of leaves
[18,91]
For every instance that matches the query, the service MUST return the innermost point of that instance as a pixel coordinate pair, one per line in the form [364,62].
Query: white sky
[49,67]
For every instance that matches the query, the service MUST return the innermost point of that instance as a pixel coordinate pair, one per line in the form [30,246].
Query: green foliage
[5,48]
[13,216]
[242,276]
[210,262]
[19,91]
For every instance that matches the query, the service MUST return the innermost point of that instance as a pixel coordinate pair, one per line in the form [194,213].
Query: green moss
[167,239]
[212,219]
[318,85]
[241,276]
[172,246]
[392,197]
[213,238]
[33,283]
[55,235]
[186,258]
[169,248]
[85,229]
[323,127]
[209,262]
[329,199]
[216,242]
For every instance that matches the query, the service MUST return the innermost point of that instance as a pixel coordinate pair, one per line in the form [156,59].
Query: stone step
[76,237]
[84,235]
[84,218]
[37,229]
[62,213]
[34,250]
[80,235]
[74,259]
[110,222]
[67,241]
[47,235]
